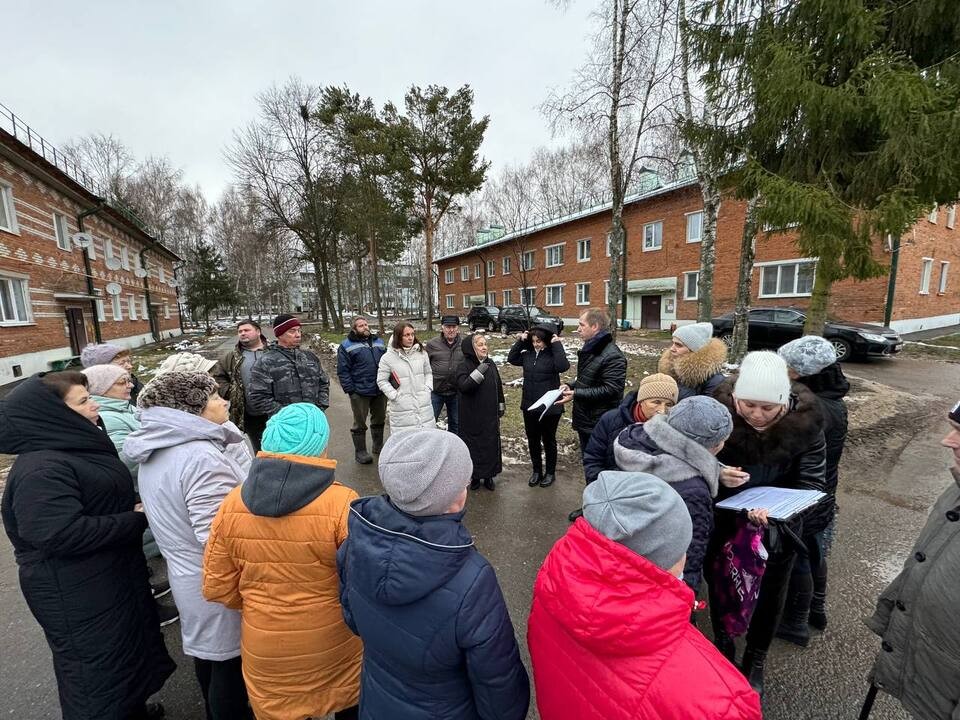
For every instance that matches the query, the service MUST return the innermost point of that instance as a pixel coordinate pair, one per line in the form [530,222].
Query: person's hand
[566,396]
[522,336]
[732,477]
[555,338]
[138,507]
[758,516]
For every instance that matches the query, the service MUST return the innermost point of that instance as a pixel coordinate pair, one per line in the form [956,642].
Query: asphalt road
[883,505]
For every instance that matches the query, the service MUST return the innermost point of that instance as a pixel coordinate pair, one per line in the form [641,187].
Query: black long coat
[68,510]
[479,409]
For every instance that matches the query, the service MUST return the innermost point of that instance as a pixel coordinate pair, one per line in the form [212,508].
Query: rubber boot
[360,446]
[818,605]
[376,434]
[727,646]
[793,623]
[752,668]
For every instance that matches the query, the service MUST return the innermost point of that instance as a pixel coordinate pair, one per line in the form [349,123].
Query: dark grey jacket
[917,617]
[444,361]
[283,376]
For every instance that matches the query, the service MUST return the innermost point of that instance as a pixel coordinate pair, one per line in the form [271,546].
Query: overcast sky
[176,78]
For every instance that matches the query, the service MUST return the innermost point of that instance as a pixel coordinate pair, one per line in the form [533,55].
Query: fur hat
[640,511]
[100,378]
[284,322]
[185,362]
[702,419]
[808,355]
[297,429]
[763,378]
[658,385]
[185,391]
[424,471]
[694,336]
[102,354]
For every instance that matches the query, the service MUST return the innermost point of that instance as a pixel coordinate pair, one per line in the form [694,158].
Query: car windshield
[534,311]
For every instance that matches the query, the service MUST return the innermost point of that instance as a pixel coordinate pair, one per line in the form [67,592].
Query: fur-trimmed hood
[791,436]
[660,450]
[695,368]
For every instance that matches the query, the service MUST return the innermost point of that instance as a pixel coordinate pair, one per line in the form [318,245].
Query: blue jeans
[453,410]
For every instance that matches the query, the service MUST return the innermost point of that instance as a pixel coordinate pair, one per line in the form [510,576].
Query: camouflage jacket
[283,376]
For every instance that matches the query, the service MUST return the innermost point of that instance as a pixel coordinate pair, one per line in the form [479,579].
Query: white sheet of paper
[780,503]
[546,401]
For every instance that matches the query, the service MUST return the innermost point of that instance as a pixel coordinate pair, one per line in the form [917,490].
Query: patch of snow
[930,345]
[515,383]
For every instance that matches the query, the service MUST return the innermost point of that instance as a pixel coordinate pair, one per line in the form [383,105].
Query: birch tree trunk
[741,313]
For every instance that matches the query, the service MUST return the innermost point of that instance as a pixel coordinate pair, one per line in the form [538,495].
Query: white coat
[409,406]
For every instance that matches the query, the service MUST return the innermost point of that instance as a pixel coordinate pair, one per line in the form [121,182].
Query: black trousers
[350,713]
[584,439]
[224,692]
[253,426]
[542,440]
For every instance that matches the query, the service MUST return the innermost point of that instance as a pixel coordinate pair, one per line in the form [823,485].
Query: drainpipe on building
[88,270]
[154,327]
[892,281]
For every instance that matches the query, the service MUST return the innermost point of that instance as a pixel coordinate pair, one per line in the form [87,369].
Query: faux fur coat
[696,373]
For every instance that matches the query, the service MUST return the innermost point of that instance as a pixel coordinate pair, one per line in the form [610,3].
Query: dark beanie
[955,413]
[284,322]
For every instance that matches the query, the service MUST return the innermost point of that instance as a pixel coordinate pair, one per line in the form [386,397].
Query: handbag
[735,574]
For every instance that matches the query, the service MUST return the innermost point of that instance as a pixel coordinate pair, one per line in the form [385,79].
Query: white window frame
[686,285]
[779,264]
[547,289]
[608,244]
[699,237]
[583,244]
[144,309]
[532,289]
[932,217]
[137,261]
[116,307]
[451,301]
[466,300]
[926,270]
[491,297]
[448,276]
[61,232]
[657,236]
[556,249]
[477,270]
[465,273]
[17,285]
[160,276]
[505,265]
[132,307]
[951,217]
[581,300]
[491,269]
[606,292]
[9,208]
[101,311]
[532,256]
[166,311]
[107,248]
[124,257]
[942,284]
[507,297]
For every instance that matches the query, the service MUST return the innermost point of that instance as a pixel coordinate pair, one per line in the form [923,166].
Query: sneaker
[168,615]
[160,589]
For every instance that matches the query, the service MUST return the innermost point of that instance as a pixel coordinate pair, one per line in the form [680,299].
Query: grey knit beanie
[702,419]
[808,355]
[102,354]
[100,378]
[694,336]
[186,391]
[642,512]
[424,471]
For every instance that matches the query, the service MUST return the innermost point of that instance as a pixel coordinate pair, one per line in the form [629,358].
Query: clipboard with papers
[780,503]
[546,401]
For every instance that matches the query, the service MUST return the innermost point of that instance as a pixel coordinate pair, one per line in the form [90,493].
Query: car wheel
[727,339]
[503,328]
[491,326]
[842,348]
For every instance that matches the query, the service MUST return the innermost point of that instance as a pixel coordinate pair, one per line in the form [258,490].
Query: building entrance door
[650,312]
[77,329]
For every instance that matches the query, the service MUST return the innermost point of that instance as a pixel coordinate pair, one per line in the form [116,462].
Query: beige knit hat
[658,385]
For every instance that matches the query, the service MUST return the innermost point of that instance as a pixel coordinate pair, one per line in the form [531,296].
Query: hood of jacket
[589,584]
[468,350]
[34,418]
[399,559]
[162,427]
[282,484]
[597,343]
[697,367]
[830,383]
[656,448]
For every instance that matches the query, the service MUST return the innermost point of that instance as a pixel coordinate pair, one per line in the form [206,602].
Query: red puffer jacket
[611,639]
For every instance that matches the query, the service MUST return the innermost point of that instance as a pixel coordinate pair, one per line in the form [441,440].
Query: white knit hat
[694,336]
[763,378]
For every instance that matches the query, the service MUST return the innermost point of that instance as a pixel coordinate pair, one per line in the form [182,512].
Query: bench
[58,365]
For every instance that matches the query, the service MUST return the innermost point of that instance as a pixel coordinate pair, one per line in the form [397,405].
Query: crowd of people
[297,598]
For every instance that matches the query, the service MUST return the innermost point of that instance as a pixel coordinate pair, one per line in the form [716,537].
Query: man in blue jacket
[437,638]
[357,359]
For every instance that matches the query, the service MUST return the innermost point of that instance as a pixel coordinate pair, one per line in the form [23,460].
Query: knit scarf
[638,415]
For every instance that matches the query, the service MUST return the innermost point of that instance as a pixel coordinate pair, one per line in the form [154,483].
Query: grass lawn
[946,347]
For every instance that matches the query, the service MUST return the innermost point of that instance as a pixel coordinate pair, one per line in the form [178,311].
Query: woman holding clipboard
[542,356]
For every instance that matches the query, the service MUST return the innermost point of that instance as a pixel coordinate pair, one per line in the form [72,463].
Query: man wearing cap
[694,359]
[232,373]
[609,630]
[437,638]
[917,614]
[287,373]
[110,354]
[358,358]
[445,355]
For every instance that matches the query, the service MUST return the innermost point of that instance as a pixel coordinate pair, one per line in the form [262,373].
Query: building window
[791,279]
[101,313]
[528,296]
[108,249]
[554,255]
[925,273]
[583,293]
[951,216]
[132,307]
[583,250]
[653,236]
[466,300]
[491,297]
[694,227]
[690,283]
[61,231]
[527,260]
[166,311]
[450,302]
[606,292]
[508,297]
[448,276]
[609,238]
[14,300]
[476,271]
[942,287]
[115,306]
[554,295]
[932,217]
[8,213]
[162,281]
[124,257]
[491,268]
[506,265]
[143,307]
[465,273]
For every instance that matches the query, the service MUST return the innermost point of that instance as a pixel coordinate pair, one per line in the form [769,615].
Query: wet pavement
[889,478]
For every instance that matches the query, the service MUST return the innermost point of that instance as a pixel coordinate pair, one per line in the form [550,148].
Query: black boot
[727,646]
[376,434]
[793,623]
[752,668]
[489,484]
[818,605]
[548,480]
[535,478]
[360,446]
[475,483]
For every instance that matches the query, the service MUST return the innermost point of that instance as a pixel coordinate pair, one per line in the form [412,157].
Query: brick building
[56,296]
[562,265]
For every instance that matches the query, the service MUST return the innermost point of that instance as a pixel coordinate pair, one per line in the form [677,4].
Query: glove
[501,410]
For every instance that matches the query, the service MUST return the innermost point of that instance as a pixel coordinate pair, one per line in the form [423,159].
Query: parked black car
[483,316]
[771,327]
[517,318]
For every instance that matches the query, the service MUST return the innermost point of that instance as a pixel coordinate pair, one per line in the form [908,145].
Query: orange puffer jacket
[272,555]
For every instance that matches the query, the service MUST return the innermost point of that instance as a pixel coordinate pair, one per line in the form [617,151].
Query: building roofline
[579,215]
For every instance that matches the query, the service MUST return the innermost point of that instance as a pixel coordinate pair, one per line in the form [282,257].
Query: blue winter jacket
[357,361]
[438,642]
[598,455]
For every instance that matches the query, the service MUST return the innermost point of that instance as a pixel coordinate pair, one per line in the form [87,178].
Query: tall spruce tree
[209,287]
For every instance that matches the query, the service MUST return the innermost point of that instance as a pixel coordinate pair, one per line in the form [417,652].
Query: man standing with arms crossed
[232,373]
[357,360]
[445,355]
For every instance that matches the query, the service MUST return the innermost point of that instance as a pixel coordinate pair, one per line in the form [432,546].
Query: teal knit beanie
[298,429]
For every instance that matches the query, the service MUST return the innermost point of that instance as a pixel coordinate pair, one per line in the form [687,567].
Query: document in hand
[780,503]
[546,401]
